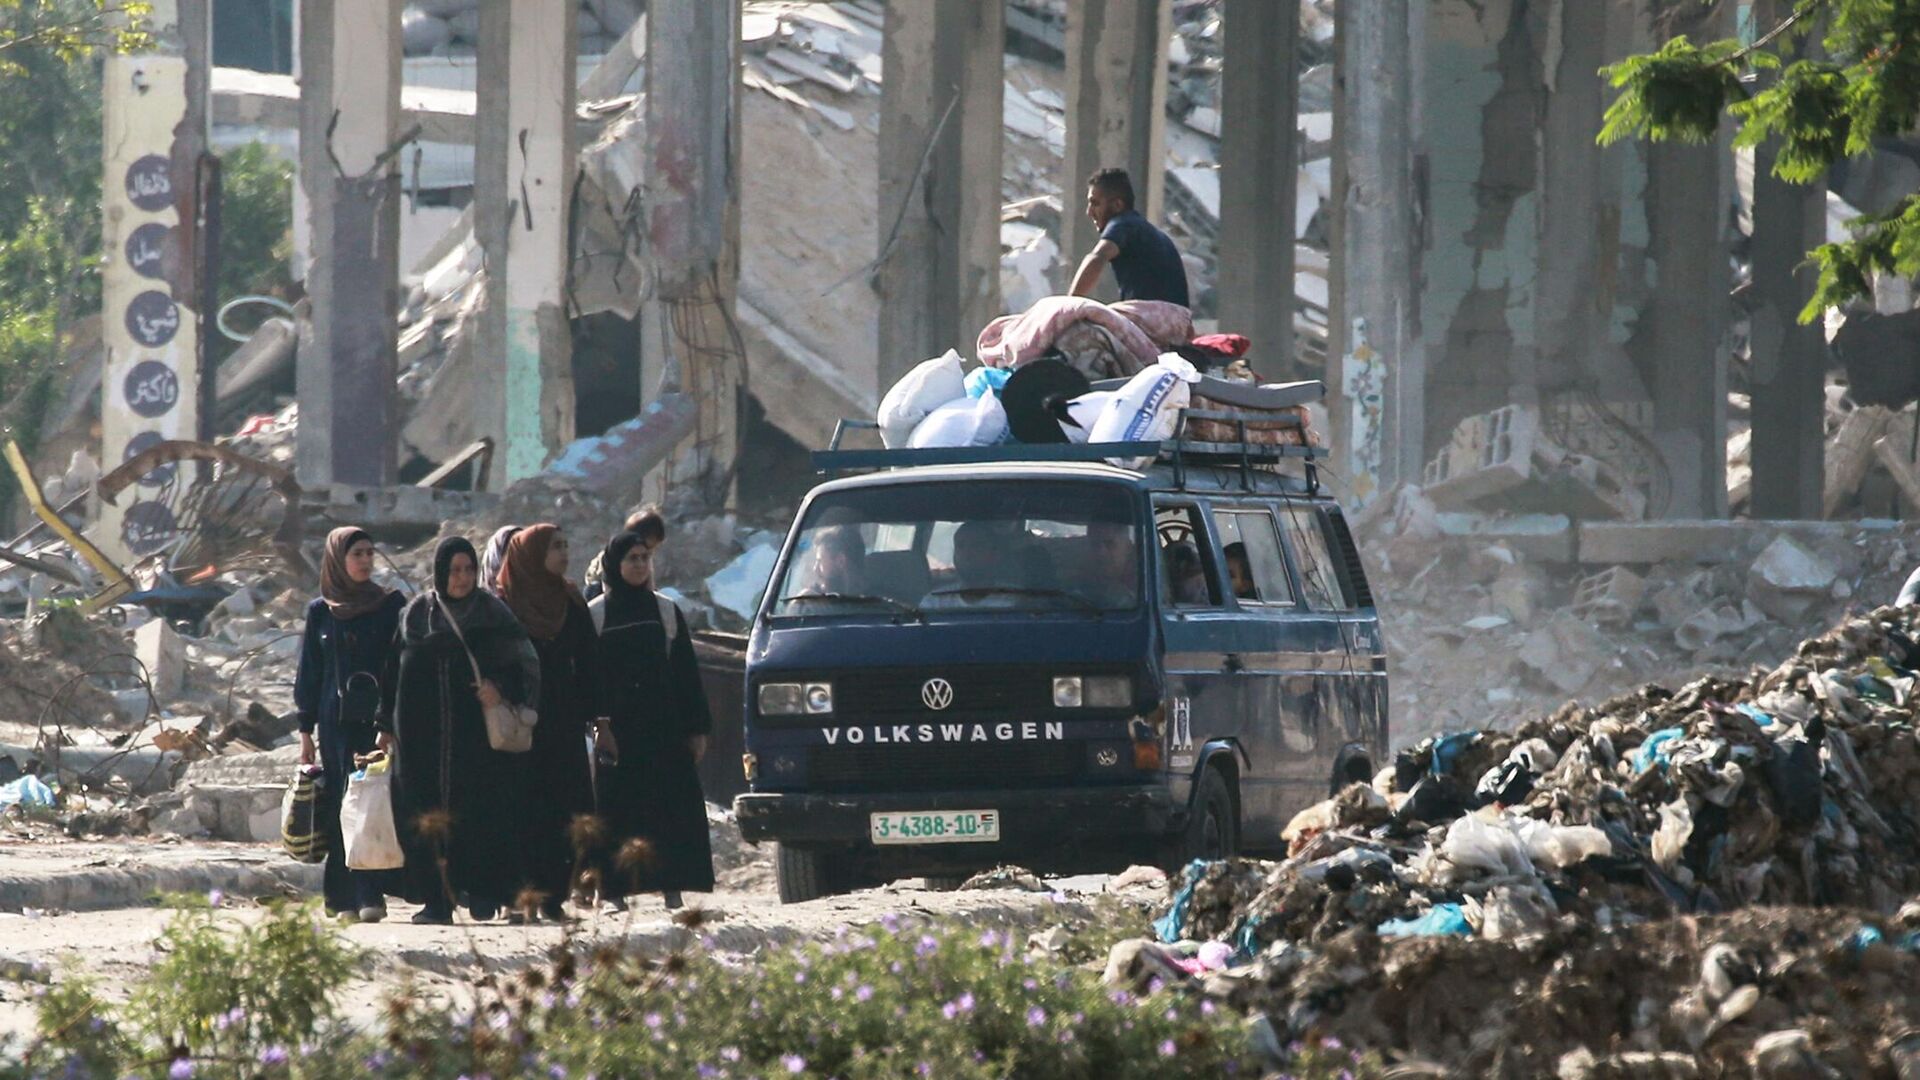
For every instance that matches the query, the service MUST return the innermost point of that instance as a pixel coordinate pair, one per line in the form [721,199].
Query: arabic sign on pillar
[148,394]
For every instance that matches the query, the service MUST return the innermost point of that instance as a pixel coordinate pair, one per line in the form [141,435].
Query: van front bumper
[1029,820]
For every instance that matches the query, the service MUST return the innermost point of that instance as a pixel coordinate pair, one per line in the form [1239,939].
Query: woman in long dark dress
[656,733]
[349,633]
[556,776]
[455,796]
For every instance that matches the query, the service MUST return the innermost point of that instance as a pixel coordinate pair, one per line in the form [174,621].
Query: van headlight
[1092,691]
[795,699]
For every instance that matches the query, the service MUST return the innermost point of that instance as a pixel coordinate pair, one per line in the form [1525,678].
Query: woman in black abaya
[454,797]
[649,794]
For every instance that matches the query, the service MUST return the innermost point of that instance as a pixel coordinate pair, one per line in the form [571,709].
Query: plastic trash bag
[1147,408]
[918,393]
[984,380]
[300,831]
[1654,749]
[963,421]
[1441,920]
[366,820]
[29,790]
[1489,847]
[1561,846]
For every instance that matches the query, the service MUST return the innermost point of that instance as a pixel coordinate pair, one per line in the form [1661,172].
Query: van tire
[1213,828]
[805,873]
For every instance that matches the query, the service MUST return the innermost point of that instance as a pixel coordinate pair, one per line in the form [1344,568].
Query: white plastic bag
[1085,410]
[366,820]
[917,394]
[1488,847]
[966,421]
[1560,846]
[1147,408]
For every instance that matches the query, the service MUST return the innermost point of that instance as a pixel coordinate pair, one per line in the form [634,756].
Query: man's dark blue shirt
[1148,266]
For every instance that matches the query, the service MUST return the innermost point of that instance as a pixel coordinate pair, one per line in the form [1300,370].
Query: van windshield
[965,546]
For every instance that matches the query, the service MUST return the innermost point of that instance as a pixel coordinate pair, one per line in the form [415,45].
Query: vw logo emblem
[936,694]
[1108,757]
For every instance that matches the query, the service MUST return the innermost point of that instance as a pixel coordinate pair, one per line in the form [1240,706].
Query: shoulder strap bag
[509,726]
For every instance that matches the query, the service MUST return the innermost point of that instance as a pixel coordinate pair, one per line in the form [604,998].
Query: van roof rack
[1179,452]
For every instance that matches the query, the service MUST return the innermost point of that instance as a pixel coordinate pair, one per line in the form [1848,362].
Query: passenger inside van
[1240,571]
[839,563]
[979,565]
[1107,567]
[1187,579]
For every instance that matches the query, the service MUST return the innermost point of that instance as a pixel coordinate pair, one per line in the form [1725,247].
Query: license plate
[935,827]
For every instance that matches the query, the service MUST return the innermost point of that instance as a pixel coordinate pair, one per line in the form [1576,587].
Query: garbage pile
[1604,880]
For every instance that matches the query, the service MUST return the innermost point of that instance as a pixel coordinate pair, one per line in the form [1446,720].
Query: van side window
[1256,570]
[1319,575]
[1187,576]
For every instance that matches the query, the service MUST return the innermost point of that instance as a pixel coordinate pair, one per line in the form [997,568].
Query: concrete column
[1679,344]
[1789,359]
[350,180]
[693,191]
[1116,111]
[154,128]
[523,182]
[941,136]
[1375,250]
[1260,91]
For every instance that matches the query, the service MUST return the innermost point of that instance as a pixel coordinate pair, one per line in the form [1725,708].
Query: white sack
[964,421]
[1148,408]
[366,820]
[918,393]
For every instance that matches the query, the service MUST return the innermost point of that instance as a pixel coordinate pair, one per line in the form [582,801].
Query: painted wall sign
[150,183]
[152,389]
[142,443]
[147,250]
[153,318]
[148,527]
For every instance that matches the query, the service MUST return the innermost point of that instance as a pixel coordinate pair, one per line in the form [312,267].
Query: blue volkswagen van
[1025,655]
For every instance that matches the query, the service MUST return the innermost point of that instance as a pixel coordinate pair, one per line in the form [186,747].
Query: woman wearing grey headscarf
[494,558]
[454,799]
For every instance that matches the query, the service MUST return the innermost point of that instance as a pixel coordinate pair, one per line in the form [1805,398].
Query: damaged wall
[1538,279]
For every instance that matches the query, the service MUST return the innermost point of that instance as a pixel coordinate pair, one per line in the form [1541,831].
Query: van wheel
[1213,830]
[805,874]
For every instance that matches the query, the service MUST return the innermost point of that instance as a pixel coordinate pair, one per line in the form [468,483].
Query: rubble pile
[1492,618]
[1693,873]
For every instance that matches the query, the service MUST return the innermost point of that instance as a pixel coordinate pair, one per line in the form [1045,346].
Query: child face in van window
[1240,572]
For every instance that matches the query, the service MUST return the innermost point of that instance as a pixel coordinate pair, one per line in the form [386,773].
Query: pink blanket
[1143,329]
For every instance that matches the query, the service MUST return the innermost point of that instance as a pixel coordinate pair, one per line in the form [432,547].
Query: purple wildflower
[1167,1049]
[557,1072]
[990,939]
[836,993]
[927,945]
[707,1072]
[1332,1043]
[730,1053]
[863,993]
[214,897]
[181,1069]
[949,1010]
[794,1063]
[273,1055]
[653,1020]
[1036,1016]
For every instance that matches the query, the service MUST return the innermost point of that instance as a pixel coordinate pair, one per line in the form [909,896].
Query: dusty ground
[115,944]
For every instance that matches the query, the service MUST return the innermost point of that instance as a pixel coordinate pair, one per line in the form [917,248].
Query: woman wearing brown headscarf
[556,782]
[349,631]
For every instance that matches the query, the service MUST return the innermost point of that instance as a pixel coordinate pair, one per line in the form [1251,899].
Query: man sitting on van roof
[1144,260]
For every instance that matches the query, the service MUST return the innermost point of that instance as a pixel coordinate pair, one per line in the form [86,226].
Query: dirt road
[114,941]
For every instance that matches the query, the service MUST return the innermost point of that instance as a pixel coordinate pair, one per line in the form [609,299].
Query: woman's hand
[489,694]
[697,746]
[384,741]
[604,742]
[307,754]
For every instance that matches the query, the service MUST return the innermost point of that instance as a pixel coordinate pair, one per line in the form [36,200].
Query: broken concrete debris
[1722,879]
